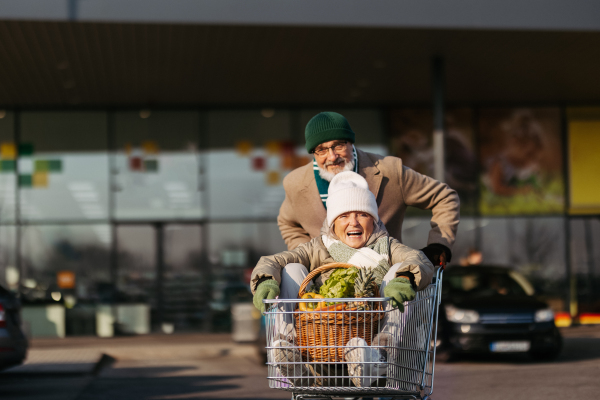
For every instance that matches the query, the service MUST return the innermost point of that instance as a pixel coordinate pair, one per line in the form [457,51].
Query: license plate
[509,347]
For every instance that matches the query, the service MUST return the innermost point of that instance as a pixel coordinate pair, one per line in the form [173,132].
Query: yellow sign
[40,179]
[65,279]
[243,147]
[584,165]
[8,151]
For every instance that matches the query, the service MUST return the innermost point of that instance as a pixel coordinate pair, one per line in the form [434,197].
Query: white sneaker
[359,357]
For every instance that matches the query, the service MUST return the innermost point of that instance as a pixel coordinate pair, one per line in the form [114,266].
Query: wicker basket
[314,328]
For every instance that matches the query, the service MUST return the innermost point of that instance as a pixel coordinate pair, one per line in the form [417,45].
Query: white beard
[328,176]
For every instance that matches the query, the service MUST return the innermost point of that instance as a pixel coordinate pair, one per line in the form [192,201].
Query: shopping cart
[328,351]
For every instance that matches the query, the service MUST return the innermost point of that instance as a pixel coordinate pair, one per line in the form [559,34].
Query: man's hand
[268,289]
[437,253]
[400,290]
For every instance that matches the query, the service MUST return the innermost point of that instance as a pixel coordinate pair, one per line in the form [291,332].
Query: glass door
[185,279]
[162,271]
[138,291]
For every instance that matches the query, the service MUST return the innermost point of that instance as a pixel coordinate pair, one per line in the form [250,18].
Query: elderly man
[329,137]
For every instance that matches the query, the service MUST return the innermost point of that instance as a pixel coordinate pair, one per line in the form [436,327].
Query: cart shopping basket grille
[324,367]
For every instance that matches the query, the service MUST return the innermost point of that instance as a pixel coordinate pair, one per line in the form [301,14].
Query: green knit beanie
[327,126]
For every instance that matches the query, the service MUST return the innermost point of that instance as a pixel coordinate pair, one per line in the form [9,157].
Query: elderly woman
[352,233]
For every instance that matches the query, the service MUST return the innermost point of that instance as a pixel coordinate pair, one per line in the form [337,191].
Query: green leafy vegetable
[340,284]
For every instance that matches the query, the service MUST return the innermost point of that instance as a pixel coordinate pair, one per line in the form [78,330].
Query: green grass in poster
[55,165]
[41,166]
[548,198]
[151,165]
[7,166]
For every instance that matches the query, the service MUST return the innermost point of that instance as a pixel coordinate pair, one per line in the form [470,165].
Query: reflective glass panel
[250,152]
[136,264]
[585,262]
[8,157]
[533,246]
[66,263]
[9,273]
[157,166]
[63,166]
[186,285]
[234,250]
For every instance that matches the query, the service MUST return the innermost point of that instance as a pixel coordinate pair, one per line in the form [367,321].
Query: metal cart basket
[389,353]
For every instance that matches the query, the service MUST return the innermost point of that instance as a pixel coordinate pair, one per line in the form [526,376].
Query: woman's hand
[268,289]
[400,290]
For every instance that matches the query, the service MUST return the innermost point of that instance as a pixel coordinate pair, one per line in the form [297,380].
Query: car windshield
[485,282]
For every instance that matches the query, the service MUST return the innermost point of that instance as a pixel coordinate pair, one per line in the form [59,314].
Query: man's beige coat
[395,187]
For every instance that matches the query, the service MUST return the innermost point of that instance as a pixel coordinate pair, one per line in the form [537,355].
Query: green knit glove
[266,290]
[400,290]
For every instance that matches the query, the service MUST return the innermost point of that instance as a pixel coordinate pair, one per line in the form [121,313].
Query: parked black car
[13,343]
[489,309]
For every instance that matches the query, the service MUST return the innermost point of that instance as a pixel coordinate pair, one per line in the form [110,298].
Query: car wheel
[551,353]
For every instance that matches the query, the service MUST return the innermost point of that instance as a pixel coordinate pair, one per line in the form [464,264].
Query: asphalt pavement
[211,366]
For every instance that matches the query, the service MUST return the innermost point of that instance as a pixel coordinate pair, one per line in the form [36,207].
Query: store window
[412,141]
[9,272]
[186,279]
[66,264]
[585,262]
[233,251]
[8,160]
[63,166]
[157,165]
[250,152]
[533,246]
[520,153]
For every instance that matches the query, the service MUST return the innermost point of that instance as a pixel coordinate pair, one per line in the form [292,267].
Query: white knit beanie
[348,191]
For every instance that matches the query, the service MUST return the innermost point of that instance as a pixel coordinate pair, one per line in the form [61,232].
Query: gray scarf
[375,254]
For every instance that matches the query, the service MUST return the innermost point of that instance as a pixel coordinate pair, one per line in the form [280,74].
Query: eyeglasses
[338,147]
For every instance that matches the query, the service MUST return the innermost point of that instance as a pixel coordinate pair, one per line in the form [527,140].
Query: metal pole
[438,118]
[571,270]
[18,220]
[160,273]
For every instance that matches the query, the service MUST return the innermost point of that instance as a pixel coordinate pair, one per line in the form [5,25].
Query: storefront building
[142,150]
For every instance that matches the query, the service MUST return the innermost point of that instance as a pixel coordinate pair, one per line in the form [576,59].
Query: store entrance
[162,278]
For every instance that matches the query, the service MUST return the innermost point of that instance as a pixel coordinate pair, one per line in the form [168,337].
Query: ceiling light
[145,114]
[2,114]
[267,112]
[175,186]
[75,186]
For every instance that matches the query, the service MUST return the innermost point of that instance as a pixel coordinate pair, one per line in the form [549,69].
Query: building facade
[143,144]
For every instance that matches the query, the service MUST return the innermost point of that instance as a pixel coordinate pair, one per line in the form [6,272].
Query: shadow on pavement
[193,387]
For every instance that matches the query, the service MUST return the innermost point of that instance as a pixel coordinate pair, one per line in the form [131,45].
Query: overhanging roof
[91,63]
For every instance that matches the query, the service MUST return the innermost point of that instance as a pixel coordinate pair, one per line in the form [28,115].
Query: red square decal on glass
[258,163]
